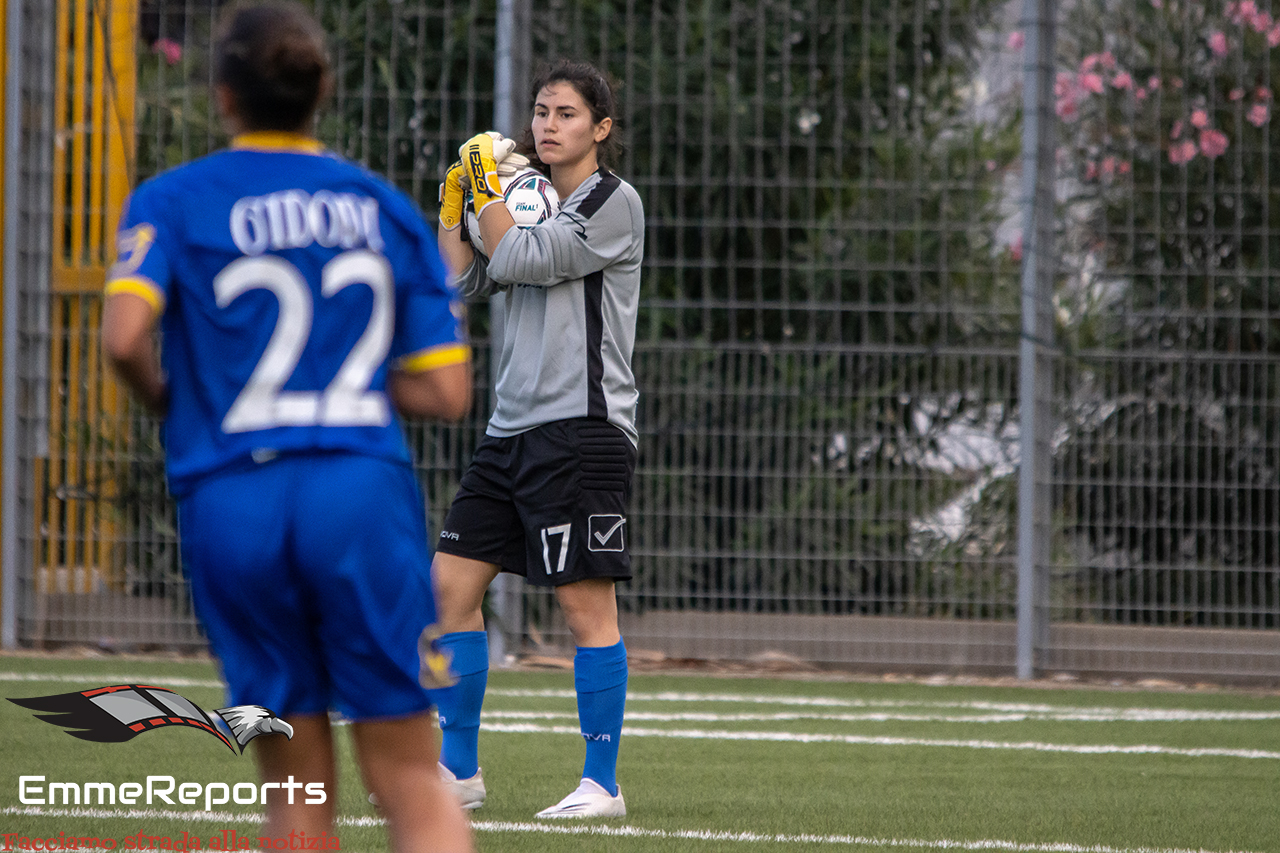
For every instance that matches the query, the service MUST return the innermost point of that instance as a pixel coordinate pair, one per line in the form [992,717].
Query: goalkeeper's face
[563,130]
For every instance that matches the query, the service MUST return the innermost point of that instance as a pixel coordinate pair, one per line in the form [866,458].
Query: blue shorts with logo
[311,575]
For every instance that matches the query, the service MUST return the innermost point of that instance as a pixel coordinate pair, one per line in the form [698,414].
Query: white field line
[100,679]
[1100,714]
[866,740]
[612,831]
[1138,715]
[994,712]
[843,840]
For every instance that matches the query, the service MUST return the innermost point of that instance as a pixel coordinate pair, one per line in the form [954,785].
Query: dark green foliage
[825,298]
[1170,467]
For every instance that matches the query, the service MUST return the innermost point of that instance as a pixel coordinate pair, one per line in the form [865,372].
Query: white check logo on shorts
[605,532]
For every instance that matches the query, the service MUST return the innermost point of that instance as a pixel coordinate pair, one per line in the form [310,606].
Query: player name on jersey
[293,219]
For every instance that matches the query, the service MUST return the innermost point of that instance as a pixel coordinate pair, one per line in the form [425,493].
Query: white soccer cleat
[469,793]
[590,800]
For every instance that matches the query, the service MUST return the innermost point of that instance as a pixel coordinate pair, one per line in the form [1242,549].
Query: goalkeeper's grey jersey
[565,327]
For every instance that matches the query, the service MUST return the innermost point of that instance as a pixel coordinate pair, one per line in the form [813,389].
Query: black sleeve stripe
[593,303]
[609,182]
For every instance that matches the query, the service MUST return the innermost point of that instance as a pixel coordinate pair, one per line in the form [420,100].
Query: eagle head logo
[248,721]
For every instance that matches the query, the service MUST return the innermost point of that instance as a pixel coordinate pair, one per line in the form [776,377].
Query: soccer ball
[529,196]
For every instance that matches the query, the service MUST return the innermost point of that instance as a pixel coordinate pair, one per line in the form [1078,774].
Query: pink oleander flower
[1262,22]
[1153,83]
[1124,167]
[1213,143]
[1262,93]
[1123,80]
[1199,119]
[1016,40]
[1175,132]
[1182,152]
[1258,114]
[1108,166]
[1109,61]
[1091,83]
[1218,43]
[1091,171]
[1067,95]
[1090,62]
[1140,94]
[1239,12]
[1273,36]
[169,49]
[1236,94]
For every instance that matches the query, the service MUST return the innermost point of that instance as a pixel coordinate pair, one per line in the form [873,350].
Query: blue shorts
[311,575]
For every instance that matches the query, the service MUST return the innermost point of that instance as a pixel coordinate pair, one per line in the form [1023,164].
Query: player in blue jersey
[546,494]
[300,303]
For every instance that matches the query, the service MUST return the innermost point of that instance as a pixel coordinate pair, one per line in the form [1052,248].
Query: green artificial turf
[735,764]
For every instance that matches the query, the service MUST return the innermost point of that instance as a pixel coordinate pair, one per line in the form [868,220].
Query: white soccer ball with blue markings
[530,197]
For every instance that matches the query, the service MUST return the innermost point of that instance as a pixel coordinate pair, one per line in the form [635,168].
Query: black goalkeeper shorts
[549,504]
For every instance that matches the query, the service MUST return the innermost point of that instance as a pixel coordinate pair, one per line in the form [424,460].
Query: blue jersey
[289,282]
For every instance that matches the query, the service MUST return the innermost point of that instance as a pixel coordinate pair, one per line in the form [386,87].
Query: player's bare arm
[128,322]
[455,251]
[443,393]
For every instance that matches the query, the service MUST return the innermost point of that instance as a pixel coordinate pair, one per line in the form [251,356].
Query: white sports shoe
[469,793]
[590,800]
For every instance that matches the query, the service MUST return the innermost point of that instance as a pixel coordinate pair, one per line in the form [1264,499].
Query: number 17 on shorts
[605,533]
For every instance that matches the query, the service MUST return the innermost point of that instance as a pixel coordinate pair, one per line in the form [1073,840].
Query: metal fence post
[1037,330]
[9,560]
[28,164]
[511,70]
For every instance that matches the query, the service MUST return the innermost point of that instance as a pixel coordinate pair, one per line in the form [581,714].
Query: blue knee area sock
[600,677]
[459,705]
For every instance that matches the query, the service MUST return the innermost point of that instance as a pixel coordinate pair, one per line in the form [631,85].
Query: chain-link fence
[832,347]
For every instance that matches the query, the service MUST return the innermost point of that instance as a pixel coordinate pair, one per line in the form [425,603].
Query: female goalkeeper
[546,494]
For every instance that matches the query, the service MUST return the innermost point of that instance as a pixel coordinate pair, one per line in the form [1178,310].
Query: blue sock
[600,677]
[459,705]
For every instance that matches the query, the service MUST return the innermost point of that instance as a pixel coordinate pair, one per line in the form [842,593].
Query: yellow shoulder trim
[138,286]
[430,359]
[277,140]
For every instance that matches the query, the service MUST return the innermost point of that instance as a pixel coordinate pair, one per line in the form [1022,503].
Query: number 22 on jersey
[347,400]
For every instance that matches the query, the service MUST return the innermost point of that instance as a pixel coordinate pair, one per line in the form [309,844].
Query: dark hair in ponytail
[273,58]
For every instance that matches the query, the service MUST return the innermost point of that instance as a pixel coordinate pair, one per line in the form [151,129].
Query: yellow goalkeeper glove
[451,197]
[480,156]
